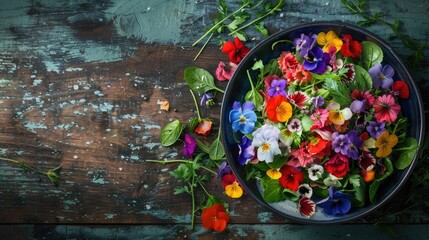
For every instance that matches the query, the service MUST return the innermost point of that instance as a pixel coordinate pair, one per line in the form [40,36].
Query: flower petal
[306,207]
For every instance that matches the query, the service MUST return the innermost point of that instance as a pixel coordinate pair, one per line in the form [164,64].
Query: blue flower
[381,76]
[277,87]
[316,60]
[355,144]
[247,151]
[337,203]
[243,119]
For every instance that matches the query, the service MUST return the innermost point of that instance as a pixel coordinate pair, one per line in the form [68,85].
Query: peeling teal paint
[110,215]
[265,217]
[163,214]
[99,181]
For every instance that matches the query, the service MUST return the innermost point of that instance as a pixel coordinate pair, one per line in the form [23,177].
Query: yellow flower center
[265,147]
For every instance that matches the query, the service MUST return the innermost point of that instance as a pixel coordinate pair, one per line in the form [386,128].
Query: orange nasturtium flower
[328,40]
[215,217]
[279,109]
[385,142]
[204,127]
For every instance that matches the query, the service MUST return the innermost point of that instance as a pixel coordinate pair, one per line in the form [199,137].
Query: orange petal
[234,190]
[383,151]
[284,112]
[164,105]
[274,174]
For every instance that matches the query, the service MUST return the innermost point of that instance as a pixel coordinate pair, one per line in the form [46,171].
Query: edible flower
[274,173]
[266,140]
[223,72]
[337,116]
[338,165]
[243,118]
[316,60]
[385,143]
[277,88]
[315,172]
[350,47]
[189,146]
[386,109]
[375,129]
[381,76]
[215,217]
[246,151]
[337,203]
[400,89]
[278,109]
[306,207]
[291,177]
[236,50]
[305,43]
[329,39]
[204,127]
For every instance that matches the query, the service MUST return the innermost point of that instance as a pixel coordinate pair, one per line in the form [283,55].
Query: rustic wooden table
[80,85]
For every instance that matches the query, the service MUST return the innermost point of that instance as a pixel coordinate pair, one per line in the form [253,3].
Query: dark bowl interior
[238,86]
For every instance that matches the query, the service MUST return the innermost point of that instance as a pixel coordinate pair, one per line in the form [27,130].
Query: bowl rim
[391,192]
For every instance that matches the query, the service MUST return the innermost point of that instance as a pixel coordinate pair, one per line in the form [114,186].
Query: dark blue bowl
[238,86]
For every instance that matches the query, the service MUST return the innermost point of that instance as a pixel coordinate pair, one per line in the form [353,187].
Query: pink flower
[386,109]
[300,157]
[319,117]
[287,61]
[224,72]
[299,75]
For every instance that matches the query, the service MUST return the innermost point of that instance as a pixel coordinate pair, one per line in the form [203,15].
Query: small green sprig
[359,7]
[53,174]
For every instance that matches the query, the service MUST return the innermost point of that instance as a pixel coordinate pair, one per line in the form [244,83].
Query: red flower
[278,109]
[317,145]
[291,177]
[228,179]
[338,165]
[350,47]
[306,207]
[204,127]
[215,217]
[400,88]
[235,50]
[287,61]
[299,99]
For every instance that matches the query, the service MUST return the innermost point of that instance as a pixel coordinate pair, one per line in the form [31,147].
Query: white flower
[305,190]
[266,140]
[315,172]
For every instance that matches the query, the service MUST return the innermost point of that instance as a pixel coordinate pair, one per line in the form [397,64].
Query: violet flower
[355,144]
[189,146]
[277,87]
[381,76]
[305,43]
[206,100]
[224,168]
[316,60]
[375,129]
[358,106]
[246,151]
[340,143]
[337,203]
[318,101]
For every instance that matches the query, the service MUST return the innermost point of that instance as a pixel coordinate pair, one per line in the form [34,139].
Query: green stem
[193,201]
[250,80]
[204,189]
[203,47]
[180,161]
[25,166]
[259,18]
[208,170]
[220,22]
[196,105]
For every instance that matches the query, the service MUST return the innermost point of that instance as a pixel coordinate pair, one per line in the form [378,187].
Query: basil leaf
[216,151]
[371,54]
[199,79]
[171,132]
[278,162]
[362,80]
[406,157]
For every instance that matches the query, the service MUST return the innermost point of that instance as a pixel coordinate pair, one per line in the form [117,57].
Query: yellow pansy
[328,40]
[234,190]
[385,142]
[274,174]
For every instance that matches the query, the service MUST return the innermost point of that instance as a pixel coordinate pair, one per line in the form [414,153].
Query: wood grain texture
[80,85]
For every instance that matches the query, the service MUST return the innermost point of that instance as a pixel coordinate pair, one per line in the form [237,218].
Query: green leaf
[261,28]
[339,91]
[171,132]
[376,184]
[273,191]
[359,187]
[254,96]
[212,199]
[182,189]
[371,54]
[355,180]
[306,123]
[216,151]
[277,162]
[291,195]
[182,172]
[202,146]
[234,24]
[406,157]
[199,79]
[193,122]
[362,80]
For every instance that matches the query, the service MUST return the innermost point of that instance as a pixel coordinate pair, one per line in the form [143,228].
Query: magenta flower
[189,146]
[386,109]
[277,87]
[381,76]
[300,157]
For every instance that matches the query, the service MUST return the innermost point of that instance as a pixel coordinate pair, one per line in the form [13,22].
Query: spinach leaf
[371,54]
[171,132]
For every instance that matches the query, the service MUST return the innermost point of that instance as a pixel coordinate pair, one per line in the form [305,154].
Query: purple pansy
[189,146]
[316,60]
[246,151]
[337,203]
[206,99]
[358,106]
[304,43]
[381,76]
[318,101]
[355,144]
[277,87]
[375,129]
[340,143]
[224,168]
[243,118]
